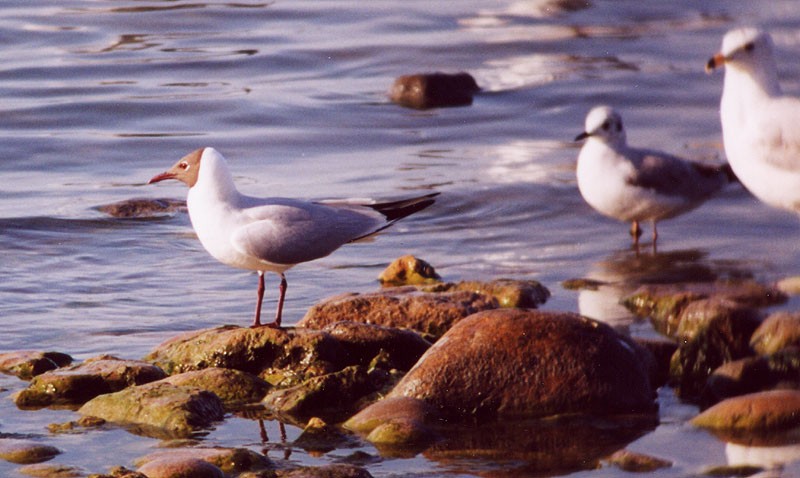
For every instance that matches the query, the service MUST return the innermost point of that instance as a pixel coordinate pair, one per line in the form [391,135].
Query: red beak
[161,177]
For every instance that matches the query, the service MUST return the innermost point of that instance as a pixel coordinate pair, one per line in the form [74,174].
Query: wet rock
[778,331]
[320,437]
[525,294]
[283,357]
[662,352]
[52,471]
[25,451]
[401,307]
[637,462]
[753,374]
[158,409]
[120,472]
[414,414]
[328,471]
[408,270]
[711,332]
[434,90]
[75,385]
[172,467]
[27,364]
[764,412]
[516,363]
[374,345]
[663,303]
[142,208]
[233,387]
[332,396]
[76,426]
[228,460]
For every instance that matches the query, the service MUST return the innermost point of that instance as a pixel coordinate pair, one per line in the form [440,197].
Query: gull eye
[183,165]
[749,47]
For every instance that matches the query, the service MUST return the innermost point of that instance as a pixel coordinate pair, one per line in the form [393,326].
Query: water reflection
[768,457]
[622,272]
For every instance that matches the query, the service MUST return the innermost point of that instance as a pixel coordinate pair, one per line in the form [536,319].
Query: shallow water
[98,96]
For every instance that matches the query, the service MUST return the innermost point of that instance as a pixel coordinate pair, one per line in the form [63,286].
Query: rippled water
[98,96]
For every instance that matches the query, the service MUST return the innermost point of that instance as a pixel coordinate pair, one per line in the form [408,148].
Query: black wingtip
[396,210]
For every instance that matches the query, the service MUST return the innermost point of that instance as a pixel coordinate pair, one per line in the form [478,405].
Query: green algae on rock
[525,294]
[27,364]
[233,387]
[408,270]
[158,409]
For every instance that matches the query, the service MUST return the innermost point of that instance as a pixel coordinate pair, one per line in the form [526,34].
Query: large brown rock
[778,331]
[158,409]
[711,332]
[663,303]
[515,363]
[283,357]
[75,385]
[402,307]
[27,364]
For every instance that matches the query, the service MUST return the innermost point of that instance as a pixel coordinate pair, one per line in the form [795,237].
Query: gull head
[604,124]
[746,48]
[186,169]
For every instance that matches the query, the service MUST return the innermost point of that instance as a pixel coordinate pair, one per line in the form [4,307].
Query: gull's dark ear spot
[749,47]
[606,125]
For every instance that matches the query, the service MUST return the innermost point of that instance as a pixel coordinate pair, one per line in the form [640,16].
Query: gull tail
[396,210]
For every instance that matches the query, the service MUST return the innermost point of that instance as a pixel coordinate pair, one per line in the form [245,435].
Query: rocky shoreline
[444,369]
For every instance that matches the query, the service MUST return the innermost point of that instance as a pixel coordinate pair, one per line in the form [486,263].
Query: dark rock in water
[662,352]
[327,471]
[402,307]
[27,364]
[52,470]
[408,270]
[228,460]
[158,409]
[233,387]
[143,208]
[80,383]
[663,304]
[25,451]
[780,370]
[525,294]
[377,346]
[712,332]
[754,418]
[283,357]
[434,90]
[332,396]
[780,330]
[120,472]
[512,363]
[320,437]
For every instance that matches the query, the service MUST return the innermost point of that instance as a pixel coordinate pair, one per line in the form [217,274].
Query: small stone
[434,90]
[25,451]
[229,460]
[318,436]
[637,462]
[511,293]
[180,467]
[408,270]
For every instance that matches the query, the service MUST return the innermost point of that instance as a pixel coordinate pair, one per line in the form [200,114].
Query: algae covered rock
[526,294]
[158,409]
[233,387]
[401,307]
[408,270]
[778,331]
[27,364]
[375,345]
[753,374]
[516,363]
[77,384]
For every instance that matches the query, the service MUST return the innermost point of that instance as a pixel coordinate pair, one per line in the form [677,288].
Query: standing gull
[760,125]
[273,234]
[634,185]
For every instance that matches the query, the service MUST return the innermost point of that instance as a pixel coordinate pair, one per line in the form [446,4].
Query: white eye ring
[184,165]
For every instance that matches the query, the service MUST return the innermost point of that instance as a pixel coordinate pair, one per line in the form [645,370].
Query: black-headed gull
[634,185]
[760,125]
[273,234]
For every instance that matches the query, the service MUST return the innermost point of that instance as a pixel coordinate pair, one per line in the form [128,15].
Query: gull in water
[760,125]
[635,185]
[273,234]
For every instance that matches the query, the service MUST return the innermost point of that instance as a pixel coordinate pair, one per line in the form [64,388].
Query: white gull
[760,125]
[634,185]
[273,234]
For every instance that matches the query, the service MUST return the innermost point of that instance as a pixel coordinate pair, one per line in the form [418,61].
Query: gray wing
[290,232]
[673,176]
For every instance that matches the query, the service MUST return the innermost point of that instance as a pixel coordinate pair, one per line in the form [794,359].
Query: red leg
[257,318]
[282,291]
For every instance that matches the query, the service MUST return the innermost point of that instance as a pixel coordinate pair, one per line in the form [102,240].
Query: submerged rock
[27,364]
[228,460]
[434,90]
[25,451]
[408,270]
[506,364]
[158,409]
[77,384]
[637,462]
[663,303]
[401,307]
[141,208]
[525,294]
[48,470]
